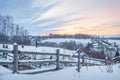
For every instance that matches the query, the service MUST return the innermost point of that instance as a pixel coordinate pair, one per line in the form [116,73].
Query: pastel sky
[41,17]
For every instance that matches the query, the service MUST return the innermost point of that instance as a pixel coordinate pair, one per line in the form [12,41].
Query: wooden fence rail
[15,62]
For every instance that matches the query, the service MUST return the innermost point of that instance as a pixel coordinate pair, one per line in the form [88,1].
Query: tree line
[11,32]
[77,36]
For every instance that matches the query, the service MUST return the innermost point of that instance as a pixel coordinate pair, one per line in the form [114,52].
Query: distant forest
[70,36]
[75,36]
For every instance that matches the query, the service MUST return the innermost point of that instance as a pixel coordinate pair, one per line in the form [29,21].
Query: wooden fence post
[106,60]
[78,61]
[57,59]
[79,51]
[15,60]
[83,60]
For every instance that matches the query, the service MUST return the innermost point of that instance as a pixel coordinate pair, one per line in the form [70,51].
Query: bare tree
[11,32]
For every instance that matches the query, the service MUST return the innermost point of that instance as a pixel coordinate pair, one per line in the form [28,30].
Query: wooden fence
[16,61]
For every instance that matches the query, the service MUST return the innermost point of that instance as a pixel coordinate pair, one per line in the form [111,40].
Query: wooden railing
[16,62]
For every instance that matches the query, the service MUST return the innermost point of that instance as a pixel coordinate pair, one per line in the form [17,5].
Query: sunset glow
[96,17]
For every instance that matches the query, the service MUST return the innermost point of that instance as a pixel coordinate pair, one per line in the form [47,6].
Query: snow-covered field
[83,41]
[112,41]
[70,73]
[59,40]
[77,41]
[39,49]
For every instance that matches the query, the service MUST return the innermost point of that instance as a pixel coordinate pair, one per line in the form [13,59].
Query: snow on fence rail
[7,51]
[6,62]
[17,62]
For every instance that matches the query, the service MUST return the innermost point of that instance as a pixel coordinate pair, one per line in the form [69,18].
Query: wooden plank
[105,42]
[7,51]
[34,61]
[6,63]
[94,59]
[39,53]
[42,71]
[68,62]
[65,55]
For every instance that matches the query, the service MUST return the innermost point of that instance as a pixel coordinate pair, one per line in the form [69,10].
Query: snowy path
[90,73]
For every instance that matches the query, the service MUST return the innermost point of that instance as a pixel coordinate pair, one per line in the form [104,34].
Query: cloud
[59,23]
[74,21]
[42,3]
[75,16]
[40,7]
[56,14]
[107,25]
[65,16]
[62,7]
[45,8]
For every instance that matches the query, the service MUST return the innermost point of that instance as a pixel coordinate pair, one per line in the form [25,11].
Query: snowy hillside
[77,41]
[116,41]
[59,40]
[39,49]
[87,72]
